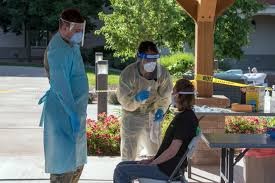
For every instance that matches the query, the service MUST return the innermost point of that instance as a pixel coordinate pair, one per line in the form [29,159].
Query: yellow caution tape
[225,82]
[205,78]
[211,79]
[103,91]
[6,91]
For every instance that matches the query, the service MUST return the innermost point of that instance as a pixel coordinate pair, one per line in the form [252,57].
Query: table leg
[231,165]
[222,165]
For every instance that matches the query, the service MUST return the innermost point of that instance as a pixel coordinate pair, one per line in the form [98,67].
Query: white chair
[178,174]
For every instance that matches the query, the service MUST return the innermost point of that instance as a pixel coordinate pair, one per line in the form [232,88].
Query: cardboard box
[255,97]
[259,170]
[241,107]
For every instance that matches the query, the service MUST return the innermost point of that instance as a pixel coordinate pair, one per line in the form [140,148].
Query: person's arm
[168,153]
[125,92]
[60,65]
[164,91]
[45,63]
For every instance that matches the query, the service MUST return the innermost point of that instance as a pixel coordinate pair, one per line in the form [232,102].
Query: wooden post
[204,13]
[204,56]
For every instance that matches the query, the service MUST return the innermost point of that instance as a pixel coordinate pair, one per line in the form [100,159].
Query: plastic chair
[178,174]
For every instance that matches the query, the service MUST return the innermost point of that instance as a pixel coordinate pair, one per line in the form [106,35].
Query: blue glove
[142,95]
[159,115]
[75,124]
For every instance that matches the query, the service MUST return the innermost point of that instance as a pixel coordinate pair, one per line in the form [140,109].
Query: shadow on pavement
[21,71]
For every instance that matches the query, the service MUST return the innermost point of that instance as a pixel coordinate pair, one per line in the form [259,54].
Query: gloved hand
[142,95]
[159,115]
[75,124]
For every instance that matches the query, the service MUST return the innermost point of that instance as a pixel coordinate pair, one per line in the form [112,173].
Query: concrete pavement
[31,168]
[98,170]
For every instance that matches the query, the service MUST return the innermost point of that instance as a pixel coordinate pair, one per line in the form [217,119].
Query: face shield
[188,93]
[150,64]
[78,30]
[173,103]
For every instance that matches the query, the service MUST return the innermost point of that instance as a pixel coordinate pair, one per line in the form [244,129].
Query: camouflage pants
[70,177]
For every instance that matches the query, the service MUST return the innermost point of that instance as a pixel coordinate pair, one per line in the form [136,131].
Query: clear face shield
[173,103]
[79,31]
[150,64]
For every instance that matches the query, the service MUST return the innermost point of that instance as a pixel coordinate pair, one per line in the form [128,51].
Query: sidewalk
[31,169]
[98,170]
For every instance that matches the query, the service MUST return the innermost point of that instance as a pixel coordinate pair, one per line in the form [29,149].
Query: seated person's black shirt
[183,127]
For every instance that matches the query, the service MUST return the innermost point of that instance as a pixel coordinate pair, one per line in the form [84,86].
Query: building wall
[262,40]
[260,52]
[11,40]
[11,46]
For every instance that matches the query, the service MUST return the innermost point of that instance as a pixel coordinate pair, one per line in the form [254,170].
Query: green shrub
[179,63]
[270,121]
[88,54]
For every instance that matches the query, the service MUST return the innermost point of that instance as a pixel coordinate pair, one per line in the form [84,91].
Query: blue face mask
[76,38]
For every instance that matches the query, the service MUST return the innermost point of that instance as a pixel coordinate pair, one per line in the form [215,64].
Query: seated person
[179,134]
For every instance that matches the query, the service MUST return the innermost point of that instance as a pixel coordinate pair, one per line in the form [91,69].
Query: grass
[113,77]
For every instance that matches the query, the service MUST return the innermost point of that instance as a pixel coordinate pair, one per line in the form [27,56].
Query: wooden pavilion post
[204,13]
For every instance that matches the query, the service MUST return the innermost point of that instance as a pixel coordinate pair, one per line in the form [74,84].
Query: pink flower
[89,134]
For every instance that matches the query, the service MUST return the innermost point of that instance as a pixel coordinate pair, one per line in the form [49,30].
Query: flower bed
[103,136]
[247,125]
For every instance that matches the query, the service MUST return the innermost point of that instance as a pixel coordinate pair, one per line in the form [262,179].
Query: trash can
[259,166]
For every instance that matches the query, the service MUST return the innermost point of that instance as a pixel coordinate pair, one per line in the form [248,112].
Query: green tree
[25,16]
[42,14]
[164,22]
[234,28]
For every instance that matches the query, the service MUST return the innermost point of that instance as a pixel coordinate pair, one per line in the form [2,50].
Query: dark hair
[147,46]
[184,101]
[71,15]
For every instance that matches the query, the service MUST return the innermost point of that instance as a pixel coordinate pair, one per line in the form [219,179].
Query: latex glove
[75,125]
[159,115]
[142,95]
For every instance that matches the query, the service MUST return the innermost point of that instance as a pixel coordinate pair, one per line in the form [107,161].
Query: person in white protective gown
[145,94]
[65,103]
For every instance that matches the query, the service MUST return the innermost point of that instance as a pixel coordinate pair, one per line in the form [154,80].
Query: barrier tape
[211,79]
[204,78]
[102,91]
[7,91]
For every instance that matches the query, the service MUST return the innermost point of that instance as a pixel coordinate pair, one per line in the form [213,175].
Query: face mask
[76,38]
[150,67]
